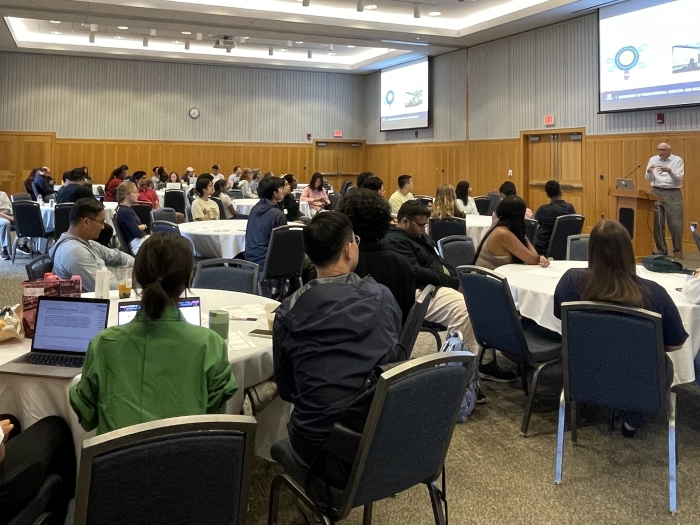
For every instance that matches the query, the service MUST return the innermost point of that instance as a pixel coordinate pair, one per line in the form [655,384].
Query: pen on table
[243,318]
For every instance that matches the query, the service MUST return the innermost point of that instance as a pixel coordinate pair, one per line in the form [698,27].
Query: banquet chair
[189,215]
[192,469]
[531,227]
[335,201]
[599,343]
[143,212]
[482,205]
[439,228]
[425,200]
[28,224]
[344,187]
[101,190]
[37,267]
[457,250]
[21,197]
[696,237]
[165,226]
[162,185]
[577,247]
[495,199]
[222,213]
[175,199]
[123,245]
[416,316]
[497,325]
[33,513]
[564,226]
[233,275]
[61,219]
[285,257]
[235,194]
[163,214]
[408,418]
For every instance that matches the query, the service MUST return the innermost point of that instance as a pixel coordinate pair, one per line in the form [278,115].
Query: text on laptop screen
[190,309]
[66,326]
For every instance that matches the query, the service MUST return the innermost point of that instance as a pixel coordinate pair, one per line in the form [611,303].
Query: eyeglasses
[357,240]
[102,222]
[422,226]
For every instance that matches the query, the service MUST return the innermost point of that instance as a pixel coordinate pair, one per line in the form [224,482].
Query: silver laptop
[189,307]
[625,184]
[64,328]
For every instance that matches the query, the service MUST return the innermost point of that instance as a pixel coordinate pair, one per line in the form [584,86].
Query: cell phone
[265,334]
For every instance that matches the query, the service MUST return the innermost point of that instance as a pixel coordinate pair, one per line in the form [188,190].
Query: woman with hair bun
[157,366]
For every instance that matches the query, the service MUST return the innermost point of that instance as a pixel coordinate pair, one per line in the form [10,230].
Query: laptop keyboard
[67,361]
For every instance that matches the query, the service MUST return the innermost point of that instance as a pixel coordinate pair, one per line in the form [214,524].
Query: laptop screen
[189,307]
[68,324]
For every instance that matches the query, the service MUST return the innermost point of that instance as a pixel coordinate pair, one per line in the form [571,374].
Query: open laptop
[625,184]
[189,307]
[64,328]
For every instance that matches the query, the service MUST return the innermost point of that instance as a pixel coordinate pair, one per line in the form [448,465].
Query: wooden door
[19,154]
[539,168]
[9,147]
[570,172]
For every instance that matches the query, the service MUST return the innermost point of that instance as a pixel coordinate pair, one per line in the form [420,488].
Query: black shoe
[480,397]
[493,372]
[4,255]
[627,432]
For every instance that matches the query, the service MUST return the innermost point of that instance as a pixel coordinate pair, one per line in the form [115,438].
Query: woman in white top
[465,202]
[244,184]
[314,194]
[203,208]
[229,211]
[691,288]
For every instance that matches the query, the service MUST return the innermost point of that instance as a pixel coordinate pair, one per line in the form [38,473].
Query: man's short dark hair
[373,183]
[76,175]
[362,177]
[289,178]
[66,176]
[369,213]
[552,189]
[216,167]
[268,187]
[412,209]
[87,207]
[138,175]
[507,189]
[325,236]
[403,180]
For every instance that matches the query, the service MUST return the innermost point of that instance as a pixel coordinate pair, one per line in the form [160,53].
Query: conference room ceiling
[328,35]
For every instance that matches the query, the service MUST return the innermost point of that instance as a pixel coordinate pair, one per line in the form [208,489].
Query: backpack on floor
[454,343]
[662,264]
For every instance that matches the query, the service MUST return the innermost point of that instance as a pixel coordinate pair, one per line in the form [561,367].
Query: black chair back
[101,190]
[335,201]
[600,341]
[233,275]
[495,199]
[482,205]
[285,255]
[235,194]
[425,200]
[165,226]
[344,188]
[61,219]
[37,267]
[457,250]
[28,221]
[123,245]
[696,237]
[577,248]
[194,469]
[21,197]
[162,185]
[564,226]
[163,214]
[440,228]
[531,227]
[143,212]
[88,185]
[222,213]
[35,511]
[175,199]
[416,316]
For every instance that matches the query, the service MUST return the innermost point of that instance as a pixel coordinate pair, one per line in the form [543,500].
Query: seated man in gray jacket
[77,253]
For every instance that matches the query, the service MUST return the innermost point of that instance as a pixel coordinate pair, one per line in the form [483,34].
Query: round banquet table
[161,197]
[477,226]
[216,239]
[33,398]
[245,205]
[48,214]
[533,291]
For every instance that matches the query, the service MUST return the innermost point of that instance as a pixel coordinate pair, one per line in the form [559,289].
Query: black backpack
[662,264]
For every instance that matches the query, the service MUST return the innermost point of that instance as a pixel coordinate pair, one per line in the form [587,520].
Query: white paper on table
[237,340]
[244,311]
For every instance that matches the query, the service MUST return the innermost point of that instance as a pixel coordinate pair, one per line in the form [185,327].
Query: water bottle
[40,200]
[102,283]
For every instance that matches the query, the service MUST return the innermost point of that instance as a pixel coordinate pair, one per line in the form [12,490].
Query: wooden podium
[635,210]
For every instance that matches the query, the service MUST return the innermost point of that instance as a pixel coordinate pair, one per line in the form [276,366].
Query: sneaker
[627,431]
[493,372]
[5,256]
[24,249]
[262,395]
[678,255]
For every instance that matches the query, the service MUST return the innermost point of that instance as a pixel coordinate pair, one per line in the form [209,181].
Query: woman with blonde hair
[445,204]
[244,184]
[129,224]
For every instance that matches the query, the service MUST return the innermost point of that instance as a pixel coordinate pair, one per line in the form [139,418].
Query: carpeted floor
[495,476]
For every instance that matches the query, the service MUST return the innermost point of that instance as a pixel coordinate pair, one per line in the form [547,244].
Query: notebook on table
[64,328]
[190,308]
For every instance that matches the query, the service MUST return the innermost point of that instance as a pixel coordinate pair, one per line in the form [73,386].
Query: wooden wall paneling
[9,169]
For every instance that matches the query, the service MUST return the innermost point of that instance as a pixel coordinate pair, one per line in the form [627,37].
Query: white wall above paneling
[124,99]
[515,81]
[448,110]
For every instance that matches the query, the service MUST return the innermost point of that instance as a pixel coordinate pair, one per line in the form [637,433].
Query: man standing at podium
[665,173]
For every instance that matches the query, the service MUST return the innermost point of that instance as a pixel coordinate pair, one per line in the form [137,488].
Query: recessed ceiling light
[417,38]
[176,42]
[55,21]
[119,37]
[371,6]
[299,42]
[282,50]
[351,47]
[124,28]
[434,13]
[246,37]
[56,33]
[331,54]
[187,32]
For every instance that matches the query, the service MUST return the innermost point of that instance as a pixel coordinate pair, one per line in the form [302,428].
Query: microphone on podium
[631,172]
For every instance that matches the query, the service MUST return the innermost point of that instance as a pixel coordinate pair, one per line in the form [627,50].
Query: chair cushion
[544,345]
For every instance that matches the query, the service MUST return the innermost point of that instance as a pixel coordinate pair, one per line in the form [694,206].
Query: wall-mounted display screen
[405,96]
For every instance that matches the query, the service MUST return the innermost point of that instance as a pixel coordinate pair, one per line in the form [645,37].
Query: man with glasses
[665,173]
[77,253]
[329,335]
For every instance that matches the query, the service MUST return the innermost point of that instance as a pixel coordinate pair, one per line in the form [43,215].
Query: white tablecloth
[48,214]
[161,197]
[245,205]
[33,398]
[533,290]
[216,239]
[477,226]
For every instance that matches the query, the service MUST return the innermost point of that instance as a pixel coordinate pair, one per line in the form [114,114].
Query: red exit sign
[549,120]
[338,133]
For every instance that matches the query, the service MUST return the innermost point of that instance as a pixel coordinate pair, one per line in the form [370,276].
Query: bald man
[665,173]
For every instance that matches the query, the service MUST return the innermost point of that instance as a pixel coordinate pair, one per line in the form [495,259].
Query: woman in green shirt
[157,366]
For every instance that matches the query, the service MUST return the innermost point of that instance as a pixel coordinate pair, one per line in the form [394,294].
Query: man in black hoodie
[263,218]
[330,334]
